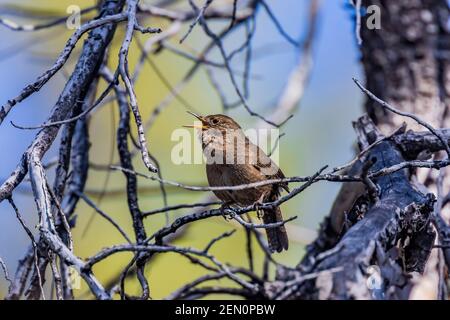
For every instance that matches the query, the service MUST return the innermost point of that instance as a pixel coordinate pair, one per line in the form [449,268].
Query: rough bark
[406,62]
[393,234]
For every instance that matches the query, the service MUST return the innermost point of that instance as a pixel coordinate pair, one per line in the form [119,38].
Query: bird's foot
[257,207]
[260,214]
[223,209]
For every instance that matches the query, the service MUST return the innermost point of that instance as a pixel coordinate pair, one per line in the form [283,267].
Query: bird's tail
[276,237]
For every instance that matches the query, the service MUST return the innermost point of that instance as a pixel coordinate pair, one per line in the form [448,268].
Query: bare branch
[62,59]
[389,107]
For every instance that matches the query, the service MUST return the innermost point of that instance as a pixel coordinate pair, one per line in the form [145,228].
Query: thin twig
[31,27]
[33,243]
[200,14]
[104,215]
[62,59]
[5,271]
[180,206]
[391,108]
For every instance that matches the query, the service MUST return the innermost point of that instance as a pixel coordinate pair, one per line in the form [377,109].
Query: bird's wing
[263,161]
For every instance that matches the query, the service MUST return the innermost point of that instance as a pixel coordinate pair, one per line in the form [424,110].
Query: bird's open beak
[197,126]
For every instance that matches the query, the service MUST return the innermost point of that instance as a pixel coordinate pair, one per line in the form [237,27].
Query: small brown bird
[233,160]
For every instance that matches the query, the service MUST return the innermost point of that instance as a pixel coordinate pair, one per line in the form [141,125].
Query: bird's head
[215,121]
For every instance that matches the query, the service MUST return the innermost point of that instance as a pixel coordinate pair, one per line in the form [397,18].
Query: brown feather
[257,166]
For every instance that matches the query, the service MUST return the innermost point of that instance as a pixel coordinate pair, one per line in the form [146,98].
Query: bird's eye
[215,121]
